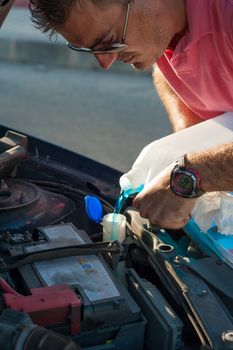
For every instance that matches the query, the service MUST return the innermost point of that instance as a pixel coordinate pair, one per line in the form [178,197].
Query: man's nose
[106,60]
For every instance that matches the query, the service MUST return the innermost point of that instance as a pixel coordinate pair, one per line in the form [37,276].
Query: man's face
[93,27]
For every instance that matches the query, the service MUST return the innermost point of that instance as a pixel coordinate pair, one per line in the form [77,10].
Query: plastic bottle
[159,154]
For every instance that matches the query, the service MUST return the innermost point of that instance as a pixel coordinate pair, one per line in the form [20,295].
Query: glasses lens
[76,48]
[114,48]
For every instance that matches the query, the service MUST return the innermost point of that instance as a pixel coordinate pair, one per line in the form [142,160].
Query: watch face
[183,183]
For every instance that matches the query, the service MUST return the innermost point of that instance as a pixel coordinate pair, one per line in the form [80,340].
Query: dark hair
[49,15]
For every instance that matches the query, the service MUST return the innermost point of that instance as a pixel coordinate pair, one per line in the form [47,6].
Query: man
[191,43]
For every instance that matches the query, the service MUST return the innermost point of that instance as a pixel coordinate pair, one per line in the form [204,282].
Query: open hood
[63,287]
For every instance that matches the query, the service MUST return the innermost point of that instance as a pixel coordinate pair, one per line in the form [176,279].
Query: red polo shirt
[200,69]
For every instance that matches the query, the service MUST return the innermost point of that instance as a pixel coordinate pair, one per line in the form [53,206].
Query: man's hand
[161,206]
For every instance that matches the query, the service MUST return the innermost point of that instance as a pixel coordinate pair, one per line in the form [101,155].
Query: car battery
[107,307]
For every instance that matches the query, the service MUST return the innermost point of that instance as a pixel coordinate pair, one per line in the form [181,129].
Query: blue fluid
[119,204]
[123,197]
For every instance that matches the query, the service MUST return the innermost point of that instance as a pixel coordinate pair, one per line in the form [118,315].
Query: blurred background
[63,97]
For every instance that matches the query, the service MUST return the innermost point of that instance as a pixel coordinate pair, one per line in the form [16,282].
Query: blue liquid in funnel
[119,204]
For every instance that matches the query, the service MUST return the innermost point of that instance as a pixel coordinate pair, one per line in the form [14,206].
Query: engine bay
[62,286]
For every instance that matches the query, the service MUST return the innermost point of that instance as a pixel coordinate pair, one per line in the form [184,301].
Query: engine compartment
[159,289]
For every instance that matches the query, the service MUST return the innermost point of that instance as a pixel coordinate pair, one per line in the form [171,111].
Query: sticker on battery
[87,271]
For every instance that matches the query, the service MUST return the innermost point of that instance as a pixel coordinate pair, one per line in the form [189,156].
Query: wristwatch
[184,181]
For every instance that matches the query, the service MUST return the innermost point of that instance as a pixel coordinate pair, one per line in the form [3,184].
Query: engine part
[13,148]
[48,306]
[24,206]
[18,332]
[105,300]
[164,328]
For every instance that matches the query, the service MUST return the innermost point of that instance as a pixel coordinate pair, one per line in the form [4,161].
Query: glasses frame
[113,48]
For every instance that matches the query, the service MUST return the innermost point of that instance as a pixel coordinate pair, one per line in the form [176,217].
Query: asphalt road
[104,115]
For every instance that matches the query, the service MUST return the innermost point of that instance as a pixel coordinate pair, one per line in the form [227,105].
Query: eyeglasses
[113,48]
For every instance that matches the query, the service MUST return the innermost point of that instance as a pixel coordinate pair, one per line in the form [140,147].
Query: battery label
[86,271]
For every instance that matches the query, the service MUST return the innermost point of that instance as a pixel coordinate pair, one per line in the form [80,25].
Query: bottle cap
[94,208]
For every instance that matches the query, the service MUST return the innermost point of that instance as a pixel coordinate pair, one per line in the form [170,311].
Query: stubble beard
[160,44]
[146,65]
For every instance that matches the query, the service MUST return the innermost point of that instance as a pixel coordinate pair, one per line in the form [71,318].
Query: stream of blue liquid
[123,197]
[116,223]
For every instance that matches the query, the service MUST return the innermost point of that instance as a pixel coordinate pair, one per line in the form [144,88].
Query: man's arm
[157,202]
[179,114]
[162,207]
[215,166]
